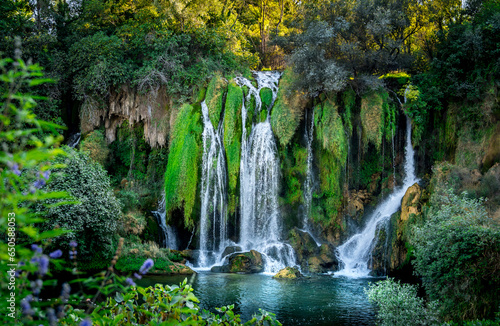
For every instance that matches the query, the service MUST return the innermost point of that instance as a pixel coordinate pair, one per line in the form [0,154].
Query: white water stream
[213,220]
[168,238]
[259,182]
[354,255]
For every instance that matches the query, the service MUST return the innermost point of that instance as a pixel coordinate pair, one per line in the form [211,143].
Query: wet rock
[289,273]
[380,258]
[303,244]
[310,257]
[324,261]
[244,262]
[356,202]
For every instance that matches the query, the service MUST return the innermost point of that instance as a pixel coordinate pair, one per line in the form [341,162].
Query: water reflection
[320,300]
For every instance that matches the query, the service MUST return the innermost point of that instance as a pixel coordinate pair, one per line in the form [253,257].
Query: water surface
[320,300]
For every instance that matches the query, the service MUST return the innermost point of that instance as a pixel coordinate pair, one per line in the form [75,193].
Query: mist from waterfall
[355,254]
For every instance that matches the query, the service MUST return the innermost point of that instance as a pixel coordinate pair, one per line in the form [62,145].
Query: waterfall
[74,140]
[168,238]
[393,160]
[213,221]
[259,182]
[355,253]
[308,185]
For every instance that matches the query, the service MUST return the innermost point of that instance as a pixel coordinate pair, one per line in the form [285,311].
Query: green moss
[389,110]
[330,130]
[372,118]
[331,153]
[349,100]
[181,176]
[266,96]
[250,107]
[214,98]
[288,109]
[263,115]
[232,140]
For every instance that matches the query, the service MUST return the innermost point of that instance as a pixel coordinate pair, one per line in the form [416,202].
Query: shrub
[399,305]
[92,220]
[95,145]
[456,253]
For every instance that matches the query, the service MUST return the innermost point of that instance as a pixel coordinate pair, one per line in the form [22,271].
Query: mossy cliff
[357,151]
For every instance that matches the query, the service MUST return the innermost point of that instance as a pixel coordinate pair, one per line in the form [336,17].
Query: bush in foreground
[399,305]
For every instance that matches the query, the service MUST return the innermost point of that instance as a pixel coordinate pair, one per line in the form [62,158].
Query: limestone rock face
[245,263]
[290,273]
[126,104]
[356,202]
[492,154]
[410,203]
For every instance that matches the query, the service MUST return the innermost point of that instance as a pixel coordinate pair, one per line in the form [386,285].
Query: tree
[92,219]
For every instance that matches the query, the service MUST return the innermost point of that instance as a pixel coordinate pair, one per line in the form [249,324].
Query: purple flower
[43,265]
[25,305]
[56,254]
[36,286]
[15,169]
[45,174]
[86,322]
[39,183]
[129,281]
[36,248]
[137,276]
[72,254]
[73,243]
[146,266]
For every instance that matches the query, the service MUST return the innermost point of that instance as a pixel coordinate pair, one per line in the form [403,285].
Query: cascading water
[168,239]
[309,182]
[74,140]
[259,181]
[308,185]
[213,221]
[355,253]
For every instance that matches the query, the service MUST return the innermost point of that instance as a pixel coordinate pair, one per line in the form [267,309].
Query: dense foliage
[92,219]
[456,252]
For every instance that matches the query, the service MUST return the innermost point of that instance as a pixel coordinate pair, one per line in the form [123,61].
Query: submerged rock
[288,273]
[244,262]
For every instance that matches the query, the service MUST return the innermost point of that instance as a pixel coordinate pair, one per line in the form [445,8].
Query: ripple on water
[320,300]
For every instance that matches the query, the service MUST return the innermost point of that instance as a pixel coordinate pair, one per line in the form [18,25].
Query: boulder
[303,244]
[290,273]
[324,260]
[411,202]
[310,257]
[244,262]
